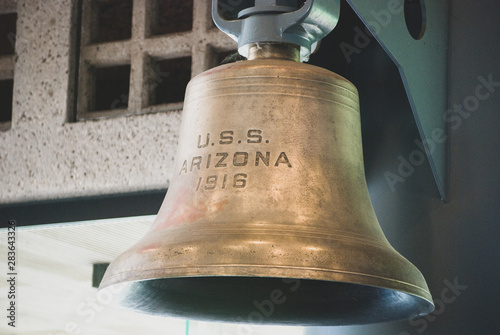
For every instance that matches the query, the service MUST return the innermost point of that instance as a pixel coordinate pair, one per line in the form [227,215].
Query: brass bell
[268,217]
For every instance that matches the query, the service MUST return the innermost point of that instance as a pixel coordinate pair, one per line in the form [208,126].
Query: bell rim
[419,304]
[262,271]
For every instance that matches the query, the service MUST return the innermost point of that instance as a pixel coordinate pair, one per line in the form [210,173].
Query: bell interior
[271,300]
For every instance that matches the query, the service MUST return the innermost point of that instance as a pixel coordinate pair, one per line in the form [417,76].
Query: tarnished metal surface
[269,184]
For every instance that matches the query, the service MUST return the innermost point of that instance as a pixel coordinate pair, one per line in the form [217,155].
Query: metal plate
[423,67]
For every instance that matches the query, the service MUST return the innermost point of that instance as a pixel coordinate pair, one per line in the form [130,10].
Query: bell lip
[327,275]
[422,303]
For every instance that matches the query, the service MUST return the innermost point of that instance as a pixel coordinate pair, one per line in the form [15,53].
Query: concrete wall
[43,155]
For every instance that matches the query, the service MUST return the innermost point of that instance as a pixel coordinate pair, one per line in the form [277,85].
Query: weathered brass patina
[268,217]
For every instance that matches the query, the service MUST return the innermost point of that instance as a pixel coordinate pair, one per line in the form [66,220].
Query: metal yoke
[277,21]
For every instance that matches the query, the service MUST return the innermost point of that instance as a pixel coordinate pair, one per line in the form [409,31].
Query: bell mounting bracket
[422,60]
[276,21]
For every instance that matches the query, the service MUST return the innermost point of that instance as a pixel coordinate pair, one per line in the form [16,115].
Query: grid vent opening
[168,79]
[172,16]
[8,31]
[6,90]
[111,87]
[113,20]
